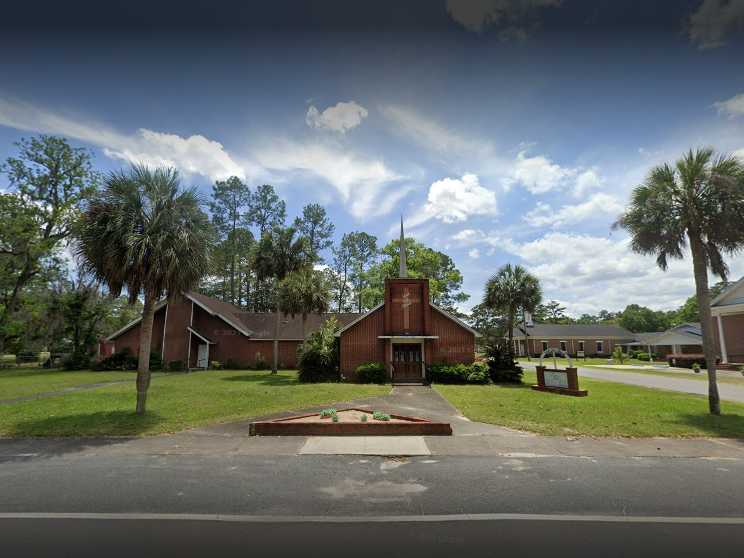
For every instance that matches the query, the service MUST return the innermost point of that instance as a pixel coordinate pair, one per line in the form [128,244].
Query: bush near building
[372,373]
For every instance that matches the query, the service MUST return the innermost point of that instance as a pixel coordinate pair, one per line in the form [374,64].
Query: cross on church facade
[405,303]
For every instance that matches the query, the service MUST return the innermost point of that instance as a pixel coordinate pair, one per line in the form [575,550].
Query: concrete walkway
[469,439]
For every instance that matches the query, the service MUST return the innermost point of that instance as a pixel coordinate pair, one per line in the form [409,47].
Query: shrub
[502,367]
[479,373]
[687,361]
[640,355]
[379,415]
[176,366]
[372,373]
[327,412]
[77,361]
[120,360]
[232,364]
[156,361]
[319,359]
[215,365]
[618,354]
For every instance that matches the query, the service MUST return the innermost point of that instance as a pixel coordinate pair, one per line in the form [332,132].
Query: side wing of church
[406,332]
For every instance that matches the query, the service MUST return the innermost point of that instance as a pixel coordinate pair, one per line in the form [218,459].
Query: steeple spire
[403,266]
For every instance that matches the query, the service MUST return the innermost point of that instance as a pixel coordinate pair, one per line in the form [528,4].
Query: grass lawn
[175,402]
[723,376]
[23,382]
[611,409]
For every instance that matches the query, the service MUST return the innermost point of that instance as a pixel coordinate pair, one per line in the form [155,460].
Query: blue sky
[503,131]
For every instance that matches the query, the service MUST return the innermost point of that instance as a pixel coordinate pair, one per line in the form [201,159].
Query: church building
[405,333]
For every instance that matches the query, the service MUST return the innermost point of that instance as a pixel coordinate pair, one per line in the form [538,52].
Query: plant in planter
[379,415]
[327,413]
[363,418]
[334,418]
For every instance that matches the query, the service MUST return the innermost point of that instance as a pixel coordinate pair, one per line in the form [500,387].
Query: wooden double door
[408,362]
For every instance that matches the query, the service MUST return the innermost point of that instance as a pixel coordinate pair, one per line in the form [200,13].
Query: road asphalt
[394,537]
[216,489]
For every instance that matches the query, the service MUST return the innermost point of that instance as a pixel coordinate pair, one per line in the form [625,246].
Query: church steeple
[403,272]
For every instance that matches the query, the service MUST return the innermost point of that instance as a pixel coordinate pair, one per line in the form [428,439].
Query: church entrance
[407,362]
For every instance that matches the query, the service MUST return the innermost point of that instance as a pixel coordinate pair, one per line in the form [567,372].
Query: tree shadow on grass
[58,435]
[263,378]
[726,425]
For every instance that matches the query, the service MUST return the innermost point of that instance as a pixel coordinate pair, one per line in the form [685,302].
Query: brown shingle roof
[261,324]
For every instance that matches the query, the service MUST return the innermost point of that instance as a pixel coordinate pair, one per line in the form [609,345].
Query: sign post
[554,380]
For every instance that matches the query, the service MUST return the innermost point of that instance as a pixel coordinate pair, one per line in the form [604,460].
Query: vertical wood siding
[359,343]
[455,344]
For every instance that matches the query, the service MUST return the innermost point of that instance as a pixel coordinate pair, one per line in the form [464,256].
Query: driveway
[728,392]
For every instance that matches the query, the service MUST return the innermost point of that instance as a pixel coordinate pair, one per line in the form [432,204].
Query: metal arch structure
[553,351]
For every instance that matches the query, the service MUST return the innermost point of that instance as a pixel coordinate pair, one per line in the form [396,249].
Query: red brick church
[405,332]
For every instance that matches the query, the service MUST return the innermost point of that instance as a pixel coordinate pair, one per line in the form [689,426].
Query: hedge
[372,373]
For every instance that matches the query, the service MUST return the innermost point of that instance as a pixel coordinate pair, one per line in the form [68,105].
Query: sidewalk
[468,439]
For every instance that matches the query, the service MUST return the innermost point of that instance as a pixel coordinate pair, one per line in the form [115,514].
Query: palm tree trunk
[510,329]
[143,363]
[703,297]
[275,360]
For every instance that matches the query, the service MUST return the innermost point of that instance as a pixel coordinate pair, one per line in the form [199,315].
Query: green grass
[175,402]
[611,409]
[24,382]
[726,377]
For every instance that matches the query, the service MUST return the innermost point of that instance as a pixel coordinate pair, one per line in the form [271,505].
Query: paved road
[353,485]
[728,392]
[390,537]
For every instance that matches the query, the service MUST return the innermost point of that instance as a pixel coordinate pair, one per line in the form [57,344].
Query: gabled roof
[574,330]
[437,308]
[683,334]
[133,323]
[734,294]
[223,310]
[261,324]
[455,319]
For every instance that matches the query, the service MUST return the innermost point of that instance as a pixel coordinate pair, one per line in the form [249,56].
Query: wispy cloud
[732,107]
[714,21]
[514,19]
[194,154]
[368,187]
[598,206]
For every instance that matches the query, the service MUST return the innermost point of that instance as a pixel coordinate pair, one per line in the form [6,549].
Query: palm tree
[279,253]
[698,202]
[304,292]
[511,289]
[144,234]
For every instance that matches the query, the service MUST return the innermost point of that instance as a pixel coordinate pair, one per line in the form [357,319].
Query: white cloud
[714,20]
[732,107]
[539,175]
[455,199]
[433,135]
[367,186]
[515,17]
[598,205]
[589,273]
[587,180]
[194,154]
[340,118]
[474,253]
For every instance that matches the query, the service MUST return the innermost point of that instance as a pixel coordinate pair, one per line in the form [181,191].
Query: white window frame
[581,345]
[545,345]
[599,346]
[563,346]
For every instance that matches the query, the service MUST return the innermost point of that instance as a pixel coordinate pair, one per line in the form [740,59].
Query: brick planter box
[565,382]
[349,424]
